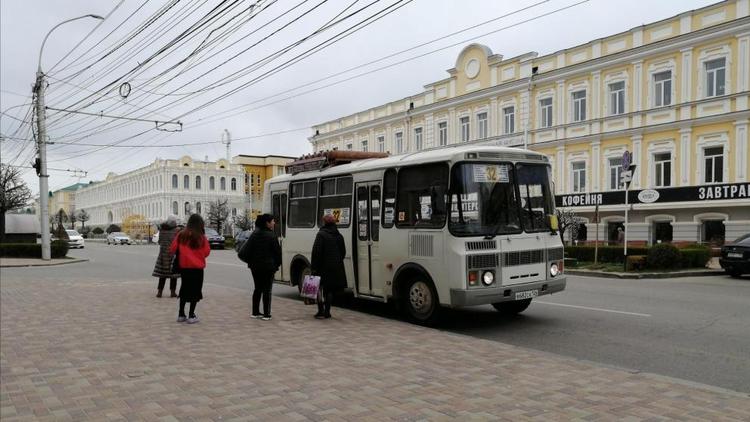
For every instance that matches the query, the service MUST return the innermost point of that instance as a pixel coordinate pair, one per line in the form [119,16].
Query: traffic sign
[627,158]
[626,176]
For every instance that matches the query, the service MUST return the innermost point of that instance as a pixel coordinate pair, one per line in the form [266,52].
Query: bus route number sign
[491,173]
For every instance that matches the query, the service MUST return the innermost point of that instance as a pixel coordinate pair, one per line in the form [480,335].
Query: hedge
[32,250]
[691,257]
[663,255]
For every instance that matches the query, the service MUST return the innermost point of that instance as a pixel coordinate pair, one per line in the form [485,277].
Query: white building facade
[165,187]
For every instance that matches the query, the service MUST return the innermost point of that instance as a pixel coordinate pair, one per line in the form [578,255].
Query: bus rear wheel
[420,300]
[512,308]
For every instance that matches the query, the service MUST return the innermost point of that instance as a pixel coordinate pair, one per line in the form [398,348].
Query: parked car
[241,239]
[119,238]
[75,240]
[735,257]
[155,238]
[215,240]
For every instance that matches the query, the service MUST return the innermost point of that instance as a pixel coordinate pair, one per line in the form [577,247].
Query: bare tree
[83,217]
[218,213]
[73,218]
[567,219]
[13,193]
[244,222]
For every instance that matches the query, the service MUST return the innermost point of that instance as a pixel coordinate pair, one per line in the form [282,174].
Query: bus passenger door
[369,276]
[278,209]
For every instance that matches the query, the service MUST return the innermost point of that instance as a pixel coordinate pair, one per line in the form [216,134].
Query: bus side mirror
[553,223]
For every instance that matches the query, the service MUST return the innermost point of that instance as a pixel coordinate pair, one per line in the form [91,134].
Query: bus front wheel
[421,301]
[512,308]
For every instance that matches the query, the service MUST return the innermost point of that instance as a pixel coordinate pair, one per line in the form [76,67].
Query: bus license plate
[734,255]
[529,294]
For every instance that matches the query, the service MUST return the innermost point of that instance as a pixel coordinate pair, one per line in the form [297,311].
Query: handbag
[310,287]
[174,266]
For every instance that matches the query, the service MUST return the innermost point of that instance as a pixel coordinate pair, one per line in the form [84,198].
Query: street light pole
[42,144]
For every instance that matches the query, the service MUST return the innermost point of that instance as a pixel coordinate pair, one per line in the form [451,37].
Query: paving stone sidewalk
[81,350]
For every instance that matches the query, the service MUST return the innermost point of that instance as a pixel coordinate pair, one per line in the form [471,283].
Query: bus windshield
[483,200]
[536,197]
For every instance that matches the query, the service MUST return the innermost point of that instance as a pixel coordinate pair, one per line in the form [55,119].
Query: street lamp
[42,143]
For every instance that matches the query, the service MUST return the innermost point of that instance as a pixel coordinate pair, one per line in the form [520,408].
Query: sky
[265,74]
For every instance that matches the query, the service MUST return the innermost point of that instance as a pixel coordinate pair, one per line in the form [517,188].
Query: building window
[579,106]
[186,182]
[399,142]
[364,145]
[198,207]
[509,119]
[615,170]
[418,138]
[234,212]
[381,143]
[616,98]
[546,111]
[175,208]
[663,169]
[187,208]
[349,147]
[579,176]
[211,183]
[443,133]
[662,232]
[482,125]
[663,88]
[174,181]
[465,128]
[223,183]
[233,183]
[197,182]
[713,164]
[716,77]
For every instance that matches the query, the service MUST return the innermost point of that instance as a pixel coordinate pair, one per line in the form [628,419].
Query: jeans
[263,281]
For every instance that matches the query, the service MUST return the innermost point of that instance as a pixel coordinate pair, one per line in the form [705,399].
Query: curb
[50,264]
[638,276]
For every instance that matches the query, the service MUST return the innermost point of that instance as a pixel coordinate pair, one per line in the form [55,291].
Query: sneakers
[193,319]
[319,316]
[266,318]
[256,316]
[173,294]
[181,318]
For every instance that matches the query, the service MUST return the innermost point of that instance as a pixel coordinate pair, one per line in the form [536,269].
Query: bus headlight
[554,270]
[488,278]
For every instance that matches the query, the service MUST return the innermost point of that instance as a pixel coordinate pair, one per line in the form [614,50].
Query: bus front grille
[511,259]
[475,262]
[481,245]
[554,254]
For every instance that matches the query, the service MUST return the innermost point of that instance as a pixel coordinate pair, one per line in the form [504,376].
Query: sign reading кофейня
[739,191]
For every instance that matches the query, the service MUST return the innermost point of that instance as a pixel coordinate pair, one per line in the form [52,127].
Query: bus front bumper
[485,296]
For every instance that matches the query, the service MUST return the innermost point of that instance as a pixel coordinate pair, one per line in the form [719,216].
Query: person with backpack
[328,254]
[262,253]
[192,248]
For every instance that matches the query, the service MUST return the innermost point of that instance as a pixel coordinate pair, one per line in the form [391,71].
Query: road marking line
[594,309]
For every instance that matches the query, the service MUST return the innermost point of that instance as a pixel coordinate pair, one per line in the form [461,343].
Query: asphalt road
[695,329]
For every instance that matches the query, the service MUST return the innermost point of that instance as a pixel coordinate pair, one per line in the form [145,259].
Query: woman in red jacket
[194,249]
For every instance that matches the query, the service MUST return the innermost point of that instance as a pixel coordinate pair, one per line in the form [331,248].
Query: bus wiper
[493,233]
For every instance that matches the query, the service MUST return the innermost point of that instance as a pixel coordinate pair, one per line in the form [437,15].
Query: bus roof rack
[325,159]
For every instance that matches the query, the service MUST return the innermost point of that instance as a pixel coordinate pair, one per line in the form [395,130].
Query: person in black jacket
[328,255]
[262,253]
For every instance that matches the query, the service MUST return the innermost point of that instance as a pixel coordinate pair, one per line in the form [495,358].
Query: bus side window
[421,196]
[389,198]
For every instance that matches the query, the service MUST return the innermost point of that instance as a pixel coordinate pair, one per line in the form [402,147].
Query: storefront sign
[728,191]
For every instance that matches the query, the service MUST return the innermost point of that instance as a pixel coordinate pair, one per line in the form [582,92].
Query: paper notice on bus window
[341,215]
[491,173]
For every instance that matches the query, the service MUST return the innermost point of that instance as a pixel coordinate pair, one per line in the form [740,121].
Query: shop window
[615,232]
[662,232]
[421,196]
[713,232]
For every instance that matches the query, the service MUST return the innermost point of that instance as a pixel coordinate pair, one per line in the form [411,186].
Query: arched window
[223,183]
[174,181]
[198,207]
[234,184]
[175,208]
[187,208]
[186,182]
[211,183]
[197,182]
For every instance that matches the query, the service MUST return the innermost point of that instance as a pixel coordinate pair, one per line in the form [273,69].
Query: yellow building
[64,199]
[673,93]
[257,170]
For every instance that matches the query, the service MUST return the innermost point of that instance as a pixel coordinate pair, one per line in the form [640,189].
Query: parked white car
[155,238]
[75,240]
[119,238]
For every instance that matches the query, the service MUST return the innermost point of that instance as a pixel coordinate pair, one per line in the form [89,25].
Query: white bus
[457,226]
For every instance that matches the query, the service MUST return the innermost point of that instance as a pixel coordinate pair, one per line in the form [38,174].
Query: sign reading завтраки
[681,194]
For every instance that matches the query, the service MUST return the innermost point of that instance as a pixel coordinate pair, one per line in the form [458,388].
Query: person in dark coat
[163,266]
[262,253]
[328,255]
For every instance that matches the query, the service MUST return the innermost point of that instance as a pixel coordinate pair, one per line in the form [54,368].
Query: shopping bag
[310,287]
